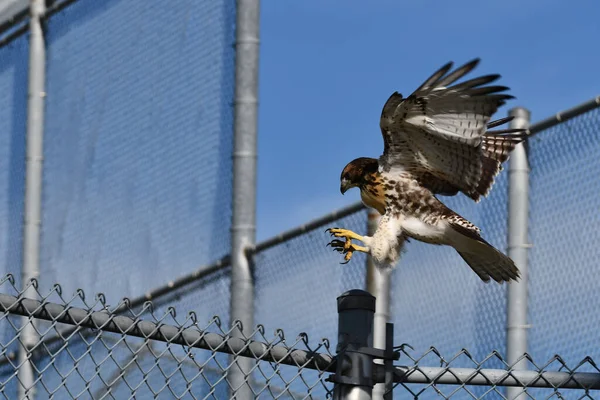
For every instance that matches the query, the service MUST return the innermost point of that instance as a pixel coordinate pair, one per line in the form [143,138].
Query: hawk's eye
[346,176]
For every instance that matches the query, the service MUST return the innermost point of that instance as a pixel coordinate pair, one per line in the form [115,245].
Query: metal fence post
[518,244]
[356,309]
[243,227]
[33,187]
[378,284]
[382,317]
[372,222]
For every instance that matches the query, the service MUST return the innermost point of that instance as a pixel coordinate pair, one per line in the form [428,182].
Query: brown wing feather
[496,147]
[496,150]
[437,133]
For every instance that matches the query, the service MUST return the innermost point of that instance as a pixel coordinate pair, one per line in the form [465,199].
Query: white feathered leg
[386,243]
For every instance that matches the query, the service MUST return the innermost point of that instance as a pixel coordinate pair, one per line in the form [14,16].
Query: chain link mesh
[496,373]
[90,349]
[138,142]
[296,282]
[563,294]
[126,356]
[13,110]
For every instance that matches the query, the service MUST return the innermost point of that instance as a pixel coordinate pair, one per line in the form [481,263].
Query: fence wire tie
[378,354]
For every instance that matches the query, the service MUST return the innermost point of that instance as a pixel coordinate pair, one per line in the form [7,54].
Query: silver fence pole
[354,376]
[382,317]
[518,245]
[372,222]
[33,188]
[244,185]
[378,284]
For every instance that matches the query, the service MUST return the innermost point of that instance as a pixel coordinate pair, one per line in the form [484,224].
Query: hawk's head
[357,173]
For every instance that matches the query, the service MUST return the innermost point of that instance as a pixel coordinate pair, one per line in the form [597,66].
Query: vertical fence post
[518,244]
[372,222]
[378,284]
[244,184]
[382,317]
[355,323]
[33,188]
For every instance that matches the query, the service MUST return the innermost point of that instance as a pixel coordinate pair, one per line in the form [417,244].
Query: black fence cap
[356,299]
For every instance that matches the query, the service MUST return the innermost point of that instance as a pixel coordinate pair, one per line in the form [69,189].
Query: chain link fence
[302,274]
[13,108]
[130,121]
[89,349]
[563,305]
[124,202]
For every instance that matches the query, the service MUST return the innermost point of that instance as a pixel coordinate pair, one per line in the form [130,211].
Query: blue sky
[328,66]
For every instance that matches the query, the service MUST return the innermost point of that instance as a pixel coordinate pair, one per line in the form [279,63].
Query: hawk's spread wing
[439,133]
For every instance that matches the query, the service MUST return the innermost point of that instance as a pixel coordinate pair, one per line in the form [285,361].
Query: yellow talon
[362,249]
[348,256]
[345,233]
[346,247]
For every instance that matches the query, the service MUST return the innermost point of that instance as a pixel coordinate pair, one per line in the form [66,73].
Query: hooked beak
[344,186]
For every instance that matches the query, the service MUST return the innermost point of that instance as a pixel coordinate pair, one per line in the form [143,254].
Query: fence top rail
[225,261]
[14,14]
[307,227]
[565,115]
[190,336]
[496,377]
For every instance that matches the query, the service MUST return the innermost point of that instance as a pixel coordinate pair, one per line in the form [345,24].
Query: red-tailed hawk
[436,141]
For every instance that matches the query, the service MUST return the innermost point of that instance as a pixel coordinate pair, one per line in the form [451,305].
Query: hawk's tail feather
[483,258]
[487,262]
[499,268]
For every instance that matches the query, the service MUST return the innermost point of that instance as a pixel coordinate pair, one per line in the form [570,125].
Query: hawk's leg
[347,247]
[345,233]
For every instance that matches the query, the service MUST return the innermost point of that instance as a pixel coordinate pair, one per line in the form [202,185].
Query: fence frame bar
[381,319]
[243,225]
[17,17]
[12,12]
[307,227]
[379,285]
[192,337]
[564,116]
[518,248]
[497,377]
[30,269]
